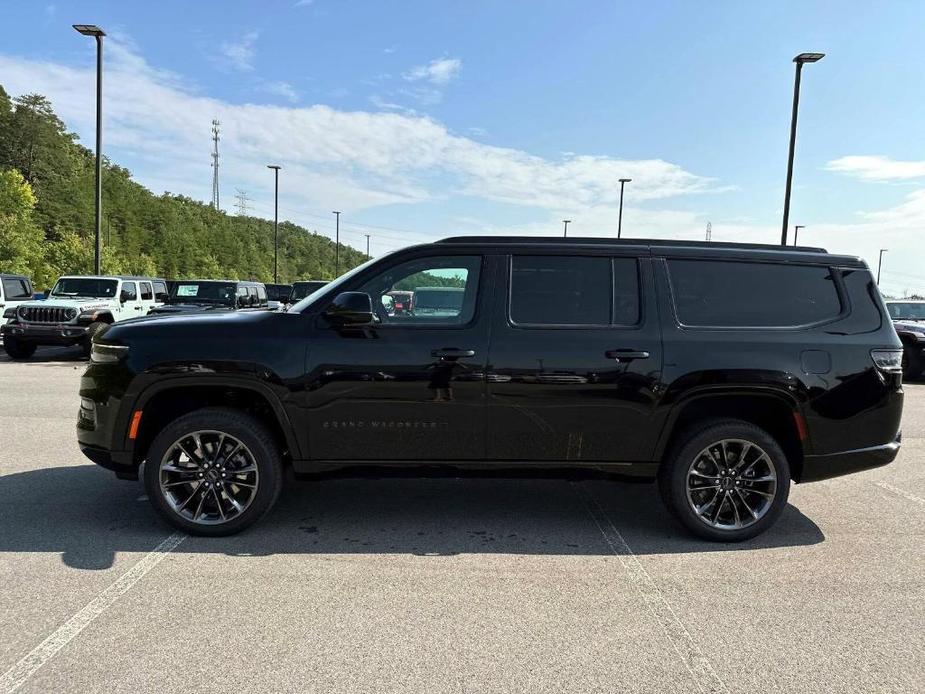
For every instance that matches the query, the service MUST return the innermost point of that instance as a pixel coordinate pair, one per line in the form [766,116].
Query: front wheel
[18,350]
[87,344]
[727,481]
[214,471]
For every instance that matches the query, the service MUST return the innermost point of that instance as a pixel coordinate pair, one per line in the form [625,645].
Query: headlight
[107,354]
[71,313]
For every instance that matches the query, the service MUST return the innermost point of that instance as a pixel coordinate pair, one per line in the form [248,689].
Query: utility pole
[623,182]
[98,34]
[337,246]
[566,222]
[241,202]
[276,169]
[880,264]
[215,202]
[709,232]
[367,246]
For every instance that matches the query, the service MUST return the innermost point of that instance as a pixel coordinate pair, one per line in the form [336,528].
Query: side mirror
[350,308]
[124,296]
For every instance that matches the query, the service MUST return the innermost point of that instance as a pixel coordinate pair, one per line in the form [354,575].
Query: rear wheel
[16,349]
[727,481]
[92,330]
[214,471]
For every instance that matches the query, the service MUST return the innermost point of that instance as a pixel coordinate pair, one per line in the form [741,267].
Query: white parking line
[697,664]
[901,492]
[17,675]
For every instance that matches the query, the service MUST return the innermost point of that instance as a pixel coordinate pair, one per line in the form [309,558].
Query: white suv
[76,309]
[14,290]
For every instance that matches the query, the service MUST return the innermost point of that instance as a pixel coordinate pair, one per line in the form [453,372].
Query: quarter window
[713,293]
[427,291]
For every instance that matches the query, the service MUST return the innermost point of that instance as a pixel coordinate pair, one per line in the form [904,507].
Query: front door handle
[452,353]
[626,354]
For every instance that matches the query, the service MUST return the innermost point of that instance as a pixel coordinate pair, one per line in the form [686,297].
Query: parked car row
[909,320]
[78,307]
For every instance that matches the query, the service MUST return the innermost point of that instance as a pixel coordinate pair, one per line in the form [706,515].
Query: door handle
[626,354]
[452,353]
[138,308]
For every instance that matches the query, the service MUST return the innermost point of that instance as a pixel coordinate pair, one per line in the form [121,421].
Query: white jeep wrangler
[76,309]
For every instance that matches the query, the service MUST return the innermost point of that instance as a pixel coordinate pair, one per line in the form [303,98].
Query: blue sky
[425,119]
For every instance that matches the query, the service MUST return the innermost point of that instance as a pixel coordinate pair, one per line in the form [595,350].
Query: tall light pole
[796,232]
[337,245]
[98,34]
[623,182]
[276,169]
[367,246]
[880,263]
[800,60]
[565,223]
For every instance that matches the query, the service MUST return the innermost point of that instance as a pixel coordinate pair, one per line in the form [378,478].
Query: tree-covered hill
[47,217]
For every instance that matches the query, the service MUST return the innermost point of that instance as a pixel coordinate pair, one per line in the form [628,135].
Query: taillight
[399,305]
[888,360]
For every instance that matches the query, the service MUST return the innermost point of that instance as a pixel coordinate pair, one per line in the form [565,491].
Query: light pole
[98,34]
[336,244]
[276,169]
[367,246]
[565,223]
[796,232]
[880,263]
[623,182]
[800,60]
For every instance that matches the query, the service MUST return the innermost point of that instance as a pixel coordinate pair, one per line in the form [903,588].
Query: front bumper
[120,462]
[823,467]
[65,334]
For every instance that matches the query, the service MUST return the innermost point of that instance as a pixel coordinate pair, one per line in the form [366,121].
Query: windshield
[906,310]
[85,287]
[332,286]
[202,293]
[437,298]
[302,289]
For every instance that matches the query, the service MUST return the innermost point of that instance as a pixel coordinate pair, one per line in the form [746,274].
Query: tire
[87,344]
[18,350]
[256,491]
[912,364]
[696,462]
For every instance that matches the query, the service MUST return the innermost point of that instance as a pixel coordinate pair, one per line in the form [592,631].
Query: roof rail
[606,241]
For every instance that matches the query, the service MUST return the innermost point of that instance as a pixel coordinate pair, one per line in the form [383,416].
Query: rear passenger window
[146,293]
[262,294]
[712,293]
[561,290]
[128,288]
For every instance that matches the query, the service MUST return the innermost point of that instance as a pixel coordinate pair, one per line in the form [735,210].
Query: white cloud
[240,54]
[877,168]
[438,71]
[283,89]
[303,3]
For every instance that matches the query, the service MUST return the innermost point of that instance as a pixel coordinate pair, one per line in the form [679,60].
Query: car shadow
[49,355]
[86,515]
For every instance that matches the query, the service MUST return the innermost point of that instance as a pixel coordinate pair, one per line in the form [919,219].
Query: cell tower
[709,231]
[215,125]
[241,202]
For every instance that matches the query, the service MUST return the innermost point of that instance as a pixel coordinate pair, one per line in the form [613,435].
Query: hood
[909,325]
[191,325]
[81,304]
[167,309]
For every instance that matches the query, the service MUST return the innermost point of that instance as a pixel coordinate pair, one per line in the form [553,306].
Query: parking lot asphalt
[445,585]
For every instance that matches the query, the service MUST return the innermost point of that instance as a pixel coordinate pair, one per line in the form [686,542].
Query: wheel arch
[161,403]
[776,413]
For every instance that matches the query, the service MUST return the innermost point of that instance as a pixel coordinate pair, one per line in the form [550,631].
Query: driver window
[426,291]
[130,291]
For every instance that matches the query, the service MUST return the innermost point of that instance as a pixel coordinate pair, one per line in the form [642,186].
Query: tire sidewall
[92,330]
[673,478]
[244,428]
[18,350]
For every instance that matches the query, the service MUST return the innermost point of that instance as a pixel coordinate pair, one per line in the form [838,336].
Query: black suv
[195,296]
[724,371]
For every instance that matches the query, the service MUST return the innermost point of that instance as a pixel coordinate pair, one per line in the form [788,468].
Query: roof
[10,275]
[114,277]
[207,279]
[670,247]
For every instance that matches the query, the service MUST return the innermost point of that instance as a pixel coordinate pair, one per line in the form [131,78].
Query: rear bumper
[823,467]
[53,334]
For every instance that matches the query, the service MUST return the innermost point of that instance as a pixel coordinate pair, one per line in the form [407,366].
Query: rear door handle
[452,353]
[626,354]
